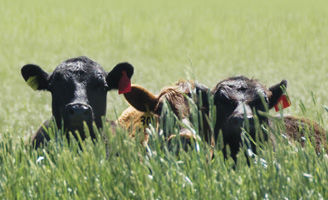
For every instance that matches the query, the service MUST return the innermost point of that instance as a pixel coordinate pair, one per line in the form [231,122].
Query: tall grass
[165,41]
[119,167]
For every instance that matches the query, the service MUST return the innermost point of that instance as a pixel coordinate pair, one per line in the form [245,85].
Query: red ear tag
[124,85]
[283,103]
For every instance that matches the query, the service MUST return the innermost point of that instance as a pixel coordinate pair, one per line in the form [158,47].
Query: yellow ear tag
[33,82]
[146,119]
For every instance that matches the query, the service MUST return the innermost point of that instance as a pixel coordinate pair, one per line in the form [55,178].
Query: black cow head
[79,88]
[236,99]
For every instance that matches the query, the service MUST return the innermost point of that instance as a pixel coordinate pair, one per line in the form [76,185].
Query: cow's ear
[277,91]
[141,99]
[204,93]
[119,78]
[35,77]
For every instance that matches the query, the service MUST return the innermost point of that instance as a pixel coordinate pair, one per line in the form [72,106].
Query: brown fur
[130,119]
[136,98]
[296,128]
[144,102]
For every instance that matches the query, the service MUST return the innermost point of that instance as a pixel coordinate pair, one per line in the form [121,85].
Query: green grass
[165,41]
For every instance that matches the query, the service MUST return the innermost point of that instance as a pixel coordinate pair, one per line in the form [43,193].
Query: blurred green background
[165,41]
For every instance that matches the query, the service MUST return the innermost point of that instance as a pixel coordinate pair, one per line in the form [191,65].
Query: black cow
[79,89]
[236,99]
[239,99]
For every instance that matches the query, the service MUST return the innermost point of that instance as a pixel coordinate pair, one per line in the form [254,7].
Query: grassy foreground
[165,41]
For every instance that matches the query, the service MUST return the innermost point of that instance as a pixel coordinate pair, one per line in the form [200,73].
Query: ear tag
[124,85]
[283,102]
[33,82]
[146,119]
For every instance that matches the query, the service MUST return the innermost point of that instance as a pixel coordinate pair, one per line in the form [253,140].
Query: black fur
[78,88]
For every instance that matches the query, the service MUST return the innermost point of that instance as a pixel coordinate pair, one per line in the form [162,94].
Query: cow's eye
[100,86]
[222,98]
[53,85]
[259,103]
[57,81]
[226,103]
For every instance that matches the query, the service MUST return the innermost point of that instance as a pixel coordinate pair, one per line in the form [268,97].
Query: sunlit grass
[165,41]
[117,166]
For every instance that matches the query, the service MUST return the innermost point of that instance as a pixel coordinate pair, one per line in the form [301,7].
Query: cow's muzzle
[76,114]
[235,125]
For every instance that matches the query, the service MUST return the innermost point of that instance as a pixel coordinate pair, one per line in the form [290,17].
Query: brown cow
[147,106]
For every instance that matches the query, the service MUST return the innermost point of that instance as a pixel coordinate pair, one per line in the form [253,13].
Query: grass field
[165,41]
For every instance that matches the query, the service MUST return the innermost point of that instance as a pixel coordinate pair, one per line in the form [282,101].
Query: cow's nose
[78,111]
[239,121]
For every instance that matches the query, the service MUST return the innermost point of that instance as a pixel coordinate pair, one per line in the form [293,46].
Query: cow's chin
[78,127]
[234,133]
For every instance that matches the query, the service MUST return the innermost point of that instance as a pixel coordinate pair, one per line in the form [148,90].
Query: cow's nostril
[237,121]
[71,111]
[78,110]
[85,110]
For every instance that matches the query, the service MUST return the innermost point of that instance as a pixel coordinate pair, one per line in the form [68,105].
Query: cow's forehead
[236,84]
[240,84]
[79,68]
[241,88]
